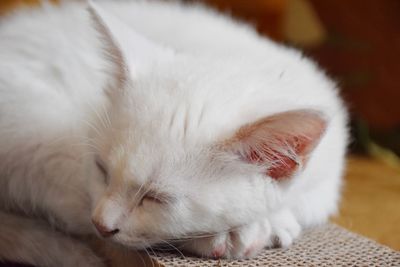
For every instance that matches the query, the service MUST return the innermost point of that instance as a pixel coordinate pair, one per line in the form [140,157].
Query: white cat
[159,122]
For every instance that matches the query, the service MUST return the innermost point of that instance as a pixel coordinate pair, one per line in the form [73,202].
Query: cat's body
[167,117]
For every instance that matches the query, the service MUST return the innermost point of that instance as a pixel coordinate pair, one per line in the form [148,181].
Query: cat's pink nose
[103,230]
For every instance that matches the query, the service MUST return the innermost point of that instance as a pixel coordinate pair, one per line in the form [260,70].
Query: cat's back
[221,42]
[192,28]
[236,71]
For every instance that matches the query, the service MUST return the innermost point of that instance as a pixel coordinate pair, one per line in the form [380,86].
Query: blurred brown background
[358,44]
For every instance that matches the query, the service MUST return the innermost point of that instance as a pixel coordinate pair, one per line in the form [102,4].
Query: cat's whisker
[141,257]
[99,117]
[107,116]
[148,253]
[152,250]
[92,126]
[174,247]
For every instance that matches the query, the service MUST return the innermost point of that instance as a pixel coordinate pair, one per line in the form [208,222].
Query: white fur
[192,78]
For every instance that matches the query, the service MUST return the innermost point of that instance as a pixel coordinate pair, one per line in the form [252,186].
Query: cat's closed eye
[155,198]
[151,198]
[102,168]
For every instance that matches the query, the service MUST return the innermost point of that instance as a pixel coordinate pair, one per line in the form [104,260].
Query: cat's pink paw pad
[219,251]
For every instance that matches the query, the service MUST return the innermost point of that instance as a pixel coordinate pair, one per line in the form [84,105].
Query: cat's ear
[281,143]
[132,52]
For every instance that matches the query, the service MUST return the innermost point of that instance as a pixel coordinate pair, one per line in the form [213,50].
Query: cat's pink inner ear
[282,142]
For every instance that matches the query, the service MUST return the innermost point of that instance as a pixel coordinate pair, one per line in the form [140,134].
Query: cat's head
[176,162]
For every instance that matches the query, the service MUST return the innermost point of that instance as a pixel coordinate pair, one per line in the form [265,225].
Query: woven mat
[328,245]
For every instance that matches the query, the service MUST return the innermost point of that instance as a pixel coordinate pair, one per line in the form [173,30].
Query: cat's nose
[103,230]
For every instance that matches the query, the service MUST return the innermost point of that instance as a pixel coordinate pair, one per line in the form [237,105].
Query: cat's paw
[242,242]
[247,241]
[285,229]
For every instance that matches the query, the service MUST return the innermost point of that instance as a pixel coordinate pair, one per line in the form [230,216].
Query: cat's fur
[203,127]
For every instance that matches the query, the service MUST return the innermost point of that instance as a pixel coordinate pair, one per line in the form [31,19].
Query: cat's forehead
[181,111]
[162,157]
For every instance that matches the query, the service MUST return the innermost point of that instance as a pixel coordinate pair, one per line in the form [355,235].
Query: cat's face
[174,164]
[158,191]
[166,175]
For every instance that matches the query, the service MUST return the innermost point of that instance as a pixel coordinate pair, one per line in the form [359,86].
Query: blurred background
[358,44]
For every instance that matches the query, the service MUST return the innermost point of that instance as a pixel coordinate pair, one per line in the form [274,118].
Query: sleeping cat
[148,122]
